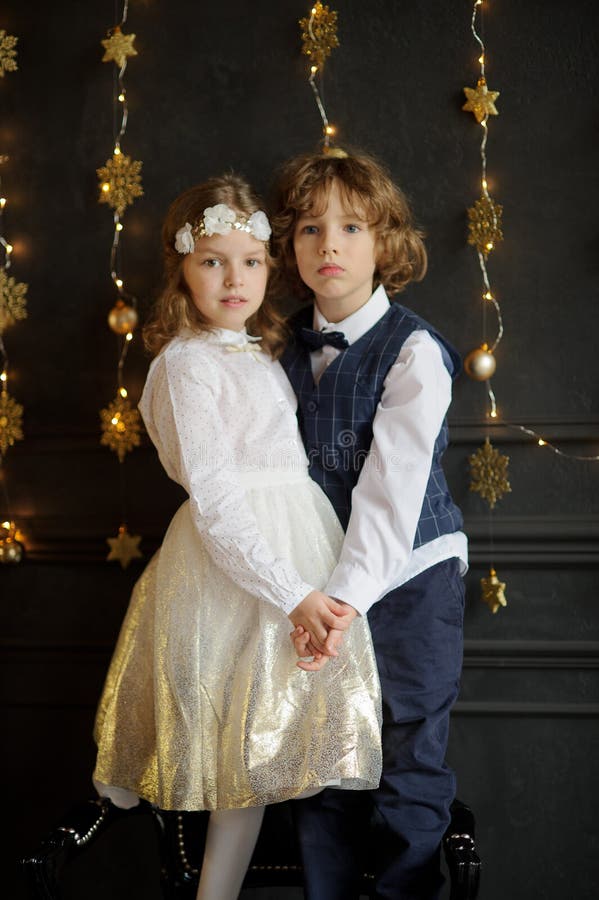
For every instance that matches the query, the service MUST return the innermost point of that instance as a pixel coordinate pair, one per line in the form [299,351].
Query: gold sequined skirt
[204,706]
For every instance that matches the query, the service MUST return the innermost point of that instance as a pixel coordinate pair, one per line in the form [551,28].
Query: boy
[373,382]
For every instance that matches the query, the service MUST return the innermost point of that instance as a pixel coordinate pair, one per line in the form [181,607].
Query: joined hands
[319,623]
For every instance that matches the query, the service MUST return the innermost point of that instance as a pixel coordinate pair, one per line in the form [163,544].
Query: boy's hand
[318,614]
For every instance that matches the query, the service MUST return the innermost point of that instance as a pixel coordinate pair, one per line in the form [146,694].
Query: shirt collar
[361,321]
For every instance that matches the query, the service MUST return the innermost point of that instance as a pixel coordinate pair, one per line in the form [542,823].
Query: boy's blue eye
[310,229]
[353,229]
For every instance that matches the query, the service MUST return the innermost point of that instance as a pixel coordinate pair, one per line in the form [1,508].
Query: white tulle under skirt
[204,706]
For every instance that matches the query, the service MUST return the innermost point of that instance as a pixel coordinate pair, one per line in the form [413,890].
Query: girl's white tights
[230,842]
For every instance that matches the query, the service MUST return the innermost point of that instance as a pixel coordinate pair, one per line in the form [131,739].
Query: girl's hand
[318,614]
[304,648]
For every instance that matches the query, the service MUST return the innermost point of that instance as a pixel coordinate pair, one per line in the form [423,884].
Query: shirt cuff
[353,585]
[293,598]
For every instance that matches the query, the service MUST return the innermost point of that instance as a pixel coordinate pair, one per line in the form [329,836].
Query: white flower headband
[221,219]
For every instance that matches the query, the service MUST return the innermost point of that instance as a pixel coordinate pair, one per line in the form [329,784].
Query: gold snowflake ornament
[121,427]
[484,225]
[124,547]
[481,101]
[120,182]
[11,422]
[493,591]
[489,473]
[13,300]
[8,53]
[319,34]
[118,47]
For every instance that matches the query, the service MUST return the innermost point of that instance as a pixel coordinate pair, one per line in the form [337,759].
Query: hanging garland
[120,184]
[488,467]
[319,39]
[13,308]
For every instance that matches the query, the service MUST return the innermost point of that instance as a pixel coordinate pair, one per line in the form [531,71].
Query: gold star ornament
[484,225]
[120,182]
[8,53]
[13,300]
[124,547]
[481,101]
[118,47]
[489,473]
[319,34]
[121,427]
[11,421]
[493,591]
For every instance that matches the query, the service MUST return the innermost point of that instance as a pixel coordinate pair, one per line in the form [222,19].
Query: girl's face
[335,253]
[226,276]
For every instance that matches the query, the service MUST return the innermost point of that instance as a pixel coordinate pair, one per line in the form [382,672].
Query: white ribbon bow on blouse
[250,346]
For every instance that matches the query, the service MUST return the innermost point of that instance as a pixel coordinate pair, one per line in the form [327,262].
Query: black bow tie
[317,339]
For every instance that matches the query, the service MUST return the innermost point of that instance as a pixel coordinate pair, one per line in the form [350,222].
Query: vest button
[312,406]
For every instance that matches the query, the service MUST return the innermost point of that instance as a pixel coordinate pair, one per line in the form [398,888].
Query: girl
[204,706]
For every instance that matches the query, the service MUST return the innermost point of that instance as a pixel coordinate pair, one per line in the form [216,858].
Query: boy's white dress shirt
[377,553]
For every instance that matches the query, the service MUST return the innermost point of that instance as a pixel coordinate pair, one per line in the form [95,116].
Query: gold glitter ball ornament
[489,473]
[11,422]
[481,101]
[484,225]
[319,34]
[121,427]
[122,318]
[120,182]
[8,62]
[480,364]
[13,300]
[124,547]
[118,47]
[493,591]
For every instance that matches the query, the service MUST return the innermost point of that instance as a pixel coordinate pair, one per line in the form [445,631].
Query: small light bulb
[542,443]
[123,391]
[484,184]
[490,246]
[122,98]
[313,10]
[6,525]
[117,150]
[3,377]
[330,129]
[2,202]
[106,187]
[129,336]
[314,69]
[9,248]
[119,226]
[493,413]
[488,295]
[481,58]
[119,282]
[114,420]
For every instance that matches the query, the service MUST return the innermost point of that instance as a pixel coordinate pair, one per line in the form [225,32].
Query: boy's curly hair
[174,309]
[368,188]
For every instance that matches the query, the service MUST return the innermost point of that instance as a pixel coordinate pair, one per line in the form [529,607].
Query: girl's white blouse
[222,417]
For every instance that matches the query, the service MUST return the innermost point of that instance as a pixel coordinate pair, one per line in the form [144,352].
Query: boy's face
[335,253]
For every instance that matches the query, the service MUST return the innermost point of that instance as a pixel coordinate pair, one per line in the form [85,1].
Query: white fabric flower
[184,241]
[259,226]
[219,219]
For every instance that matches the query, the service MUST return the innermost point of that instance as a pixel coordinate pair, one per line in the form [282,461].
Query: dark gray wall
[219,85]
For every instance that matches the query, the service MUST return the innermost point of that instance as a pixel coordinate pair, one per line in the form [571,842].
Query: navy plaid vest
[336,415]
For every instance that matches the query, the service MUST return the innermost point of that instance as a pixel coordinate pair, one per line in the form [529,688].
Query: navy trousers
[417,631]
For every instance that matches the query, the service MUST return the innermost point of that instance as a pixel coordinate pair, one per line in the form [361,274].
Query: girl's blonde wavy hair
[368,189]
[174,309]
